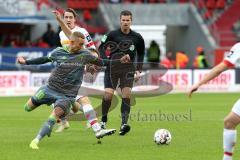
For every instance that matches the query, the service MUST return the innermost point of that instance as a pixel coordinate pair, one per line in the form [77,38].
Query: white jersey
[88,43]
[233,57]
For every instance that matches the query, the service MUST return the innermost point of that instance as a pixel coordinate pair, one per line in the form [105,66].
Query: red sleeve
[90,44]
[229,64]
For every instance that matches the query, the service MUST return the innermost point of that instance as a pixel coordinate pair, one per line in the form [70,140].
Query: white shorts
[78,97]
[236,107]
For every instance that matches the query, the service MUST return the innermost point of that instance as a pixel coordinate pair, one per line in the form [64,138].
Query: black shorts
[118,79]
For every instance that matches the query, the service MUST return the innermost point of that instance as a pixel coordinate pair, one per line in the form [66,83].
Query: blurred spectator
[42,2]
[169,60]
[181,60]
[236,29]
[1,39]
[28,44]
[153,54]
[41,43]
[49,36]
[221,4]
[200,60]
[13,44]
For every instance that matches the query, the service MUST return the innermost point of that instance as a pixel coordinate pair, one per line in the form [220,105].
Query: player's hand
[21,60]
[57,14]
[125,59]
[92,68]
[193,89]
[137,76]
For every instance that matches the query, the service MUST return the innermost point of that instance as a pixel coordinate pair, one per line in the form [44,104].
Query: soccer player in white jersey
[69,18]
[233,118]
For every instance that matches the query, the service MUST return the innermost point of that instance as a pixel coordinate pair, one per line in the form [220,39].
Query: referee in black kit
[114,45]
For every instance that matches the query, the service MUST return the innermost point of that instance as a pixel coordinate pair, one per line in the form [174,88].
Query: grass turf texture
[196,132]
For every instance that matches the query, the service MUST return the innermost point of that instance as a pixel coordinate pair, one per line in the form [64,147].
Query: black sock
[125,110]
[106,104]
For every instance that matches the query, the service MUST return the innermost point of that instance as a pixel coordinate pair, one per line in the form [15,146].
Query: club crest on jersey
[132,47]
[104,38]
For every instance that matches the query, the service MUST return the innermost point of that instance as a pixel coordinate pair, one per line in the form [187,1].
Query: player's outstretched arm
[35,61]
[217,70]
[21,60]
[61,23]
[87,58]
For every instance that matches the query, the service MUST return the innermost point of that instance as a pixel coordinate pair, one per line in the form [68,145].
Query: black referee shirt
[119,43]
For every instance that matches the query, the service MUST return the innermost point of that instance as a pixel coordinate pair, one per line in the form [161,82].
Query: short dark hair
[126,13]
[71,11]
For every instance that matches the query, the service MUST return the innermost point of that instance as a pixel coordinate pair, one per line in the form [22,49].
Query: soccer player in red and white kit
[233,118]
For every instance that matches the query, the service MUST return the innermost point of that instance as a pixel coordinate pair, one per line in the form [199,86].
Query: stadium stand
[83,4]
[225,22]
[92,17]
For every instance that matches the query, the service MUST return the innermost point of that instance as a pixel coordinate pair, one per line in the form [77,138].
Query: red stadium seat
[138,1]
[183,1]
[211,4]
[152,1]
[83,4]
[87,15]
[221,4]
[208,14]
[127,1]
[162,1]
[201,4]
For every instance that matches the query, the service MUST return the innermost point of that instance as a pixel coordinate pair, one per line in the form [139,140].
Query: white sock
[96,127]
[91,116]
[37,139]
[229,140]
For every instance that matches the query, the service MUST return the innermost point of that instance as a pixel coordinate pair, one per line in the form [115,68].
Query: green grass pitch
[196,126]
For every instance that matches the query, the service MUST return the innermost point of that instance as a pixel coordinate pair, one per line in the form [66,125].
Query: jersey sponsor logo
[230,54]
[40,94]
[132,47]
[104,38]
[88,37]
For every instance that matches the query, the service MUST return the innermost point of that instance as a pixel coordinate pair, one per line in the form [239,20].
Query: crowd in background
[49,39]
[179,60]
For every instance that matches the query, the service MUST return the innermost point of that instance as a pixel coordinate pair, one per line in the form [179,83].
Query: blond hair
[78,35]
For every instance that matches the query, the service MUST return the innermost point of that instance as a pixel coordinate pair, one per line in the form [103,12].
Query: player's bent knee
[108,96]
[58,112]
[75,107]
[228,124]
[61,108]
[52,118]
[126,93]
[126,96]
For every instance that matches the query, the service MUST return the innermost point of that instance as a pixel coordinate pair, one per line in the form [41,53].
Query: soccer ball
[162,136]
